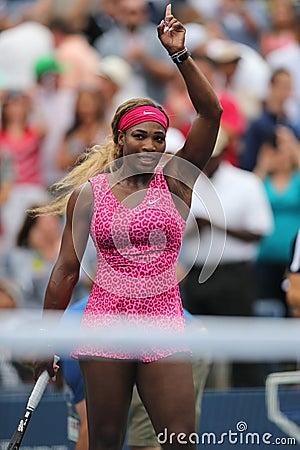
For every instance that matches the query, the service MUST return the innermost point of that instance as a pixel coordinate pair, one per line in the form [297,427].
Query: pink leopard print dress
[137,251]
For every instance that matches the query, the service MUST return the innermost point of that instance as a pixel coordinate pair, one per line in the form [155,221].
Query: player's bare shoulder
[80,204]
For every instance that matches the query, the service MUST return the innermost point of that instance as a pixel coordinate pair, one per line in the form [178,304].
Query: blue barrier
[238,419]
[234,418]
[47,429]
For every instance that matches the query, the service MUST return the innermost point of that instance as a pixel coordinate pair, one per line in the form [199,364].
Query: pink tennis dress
[137,251]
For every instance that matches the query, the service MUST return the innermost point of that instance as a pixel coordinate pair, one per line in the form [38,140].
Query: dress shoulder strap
[98,186]
[159,180]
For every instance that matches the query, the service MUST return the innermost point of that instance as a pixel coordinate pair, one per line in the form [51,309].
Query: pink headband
[142,114]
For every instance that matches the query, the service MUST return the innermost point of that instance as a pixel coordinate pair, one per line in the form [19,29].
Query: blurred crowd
[66,65]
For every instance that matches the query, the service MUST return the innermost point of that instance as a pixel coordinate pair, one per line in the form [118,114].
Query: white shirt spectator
[250,81]
[245,206]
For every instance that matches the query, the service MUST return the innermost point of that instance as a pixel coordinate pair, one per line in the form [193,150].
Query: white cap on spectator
[116,69]
[174,140]
[196,35]
[223,51]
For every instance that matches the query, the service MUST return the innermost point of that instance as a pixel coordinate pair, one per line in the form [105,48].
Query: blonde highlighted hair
[97,159]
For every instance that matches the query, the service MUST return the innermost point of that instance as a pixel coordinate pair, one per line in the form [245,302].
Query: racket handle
[40,387]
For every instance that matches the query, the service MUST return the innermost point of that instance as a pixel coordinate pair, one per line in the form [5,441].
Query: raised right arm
[202,136]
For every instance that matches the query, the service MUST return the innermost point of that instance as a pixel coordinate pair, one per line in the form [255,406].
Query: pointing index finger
[168,10]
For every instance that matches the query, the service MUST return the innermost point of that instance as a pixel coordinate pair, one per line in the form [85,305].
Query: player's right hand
[40,365]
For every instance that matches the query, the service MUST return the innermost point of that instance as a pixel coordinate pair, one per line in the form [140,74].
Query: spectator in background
[53,107]
[132,39]
[113,77]
[243,73]
[6,177]
[6,184]
[207,10]
[20,47]
[73,50]
[233,121]
[263,129]
[21,144]
[9,377]
[13,373]
[4,20]
[239,20]
[19,10]
[243,20]
[178,105]
[230,290]
[10,296]
[280,33]
[180,109]
[92,18]
[293,278]
[29,263]
[288,58]
[90,127]
[278,166]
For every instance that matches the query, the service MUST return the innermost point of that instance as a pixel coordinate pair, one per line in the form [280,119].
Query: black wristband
[179,57]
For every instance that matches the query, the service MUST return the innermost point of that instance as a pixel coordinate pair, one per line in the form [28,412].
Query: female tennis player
[135,211]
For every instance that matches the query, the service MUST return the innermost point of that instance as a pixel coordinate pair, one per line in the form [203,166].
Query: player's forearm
[60,288]
[242,235]
[201,93]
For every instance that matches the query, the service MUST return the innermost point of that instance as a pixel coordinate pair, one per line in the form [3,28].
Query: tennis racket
[32,403]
